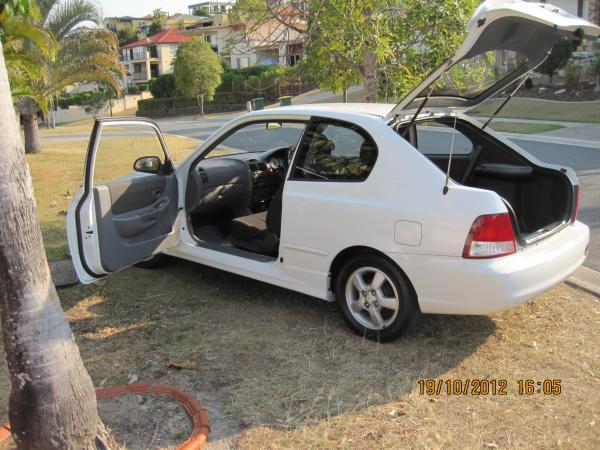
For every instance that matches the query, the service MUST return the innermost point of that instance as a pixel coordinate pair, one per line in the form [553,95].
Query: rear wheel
[375,299]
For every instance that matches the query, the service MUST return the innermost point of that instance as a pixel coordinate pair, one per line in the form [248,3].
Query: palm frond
[88,54]
[65,15]
[24,89]
[45,7]
[19,30]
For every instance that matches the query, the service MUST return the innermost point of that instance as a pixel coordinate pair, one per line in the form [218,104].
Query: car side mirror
[148,164]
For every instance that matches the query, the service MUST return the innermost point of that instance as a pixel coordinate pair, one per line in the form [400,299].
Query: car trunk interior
[539,198]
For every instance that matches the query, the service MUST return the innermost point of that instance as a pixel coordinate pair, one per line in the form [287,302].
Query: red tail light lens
[491,236]
[577,200]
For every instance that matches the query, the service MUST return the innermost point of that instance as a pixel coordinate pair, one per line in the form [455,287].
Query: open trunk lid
[505,40]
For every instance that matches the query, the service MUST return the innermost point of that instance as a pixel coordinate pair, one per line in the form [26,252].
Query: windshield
[470,77]
[259,137]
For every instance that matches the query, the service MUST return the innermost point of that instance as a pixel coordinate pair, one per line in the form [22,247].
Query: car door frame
[87,258]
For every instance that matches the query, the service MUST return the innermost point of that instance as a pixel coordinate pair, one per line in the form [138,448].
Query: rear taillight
[491,236]
[577,200]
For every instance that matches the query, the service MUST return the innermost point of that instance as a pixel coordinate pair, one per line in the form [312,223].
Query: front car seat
[259,233]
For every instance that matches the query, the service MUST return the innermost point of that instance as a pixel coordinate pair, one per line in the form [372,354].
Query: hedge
[222,102]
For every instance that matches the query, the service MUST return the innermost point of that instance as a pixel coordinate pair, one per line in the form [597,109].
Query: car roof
[315,109]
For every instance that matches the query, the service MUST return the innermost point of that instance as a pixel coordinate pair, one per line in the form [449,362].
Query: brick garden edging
[193,408]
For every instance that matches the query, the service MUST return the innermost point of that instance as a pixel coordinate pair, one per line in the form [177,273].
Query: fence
[74,113]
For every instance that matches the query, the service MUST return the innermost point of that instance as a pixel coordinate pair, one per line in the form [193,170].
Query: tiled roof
[164,37]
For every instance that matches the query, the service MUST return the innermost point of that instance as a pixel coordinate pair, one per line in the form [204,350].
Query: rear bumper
[454,285]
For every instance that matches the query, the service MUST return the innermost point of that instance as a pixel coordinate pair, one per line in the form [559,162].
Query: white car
[386,210]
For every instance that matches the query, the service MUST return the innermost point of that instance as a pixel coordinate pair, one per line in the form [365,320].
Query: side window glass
[434,138]
[259,137]
[119,146]
[335,151]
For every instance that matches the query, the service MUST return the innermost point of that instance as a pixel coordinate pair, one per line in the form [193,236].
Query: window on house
[294,59]
[337,151]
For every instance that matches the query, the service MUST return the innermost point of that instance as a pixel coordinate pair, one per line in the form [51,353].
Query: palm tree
[52,400]
[83,54]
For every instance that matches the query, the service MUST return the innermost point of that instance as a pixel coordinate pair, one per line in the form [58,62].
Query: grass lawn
[278,369]
[524,108]
[524,128]
[57,173]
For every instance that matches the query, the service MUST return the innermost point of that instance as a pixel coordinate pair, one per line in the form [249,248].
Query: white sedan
[387,210]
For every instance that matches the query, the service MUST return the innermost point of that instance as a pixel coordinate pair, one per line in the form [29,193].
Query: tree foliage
[558,58]
[163,86]
[387,45]
[156,26]
[127,36]
[197,71]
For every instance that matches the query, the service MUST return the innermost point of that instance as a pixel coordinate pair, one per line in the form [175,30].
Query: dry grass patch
[278,369]
[57,173]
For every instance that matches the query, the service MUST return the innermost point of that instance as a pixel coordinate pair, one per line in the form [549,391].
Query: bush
[133,90]
[573,74]
[142,86]
[559,56]
[161,107]
[163,86]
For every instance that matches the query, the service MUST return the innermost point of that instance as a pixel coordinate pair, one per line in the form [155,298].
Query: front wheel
[375,299]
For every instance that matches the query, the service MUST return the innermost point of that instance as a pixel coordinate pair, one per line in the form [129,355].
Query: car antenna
[419,109]
[445,191]
[506,100]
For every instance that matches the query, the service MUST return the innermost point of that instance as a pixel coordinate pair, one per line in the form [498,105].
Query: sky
[139,8]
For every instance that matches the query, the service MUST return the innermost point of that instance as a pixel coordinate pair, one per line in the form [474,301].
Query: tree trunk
[52,402]
[28,110]
[370,76]
[201,104]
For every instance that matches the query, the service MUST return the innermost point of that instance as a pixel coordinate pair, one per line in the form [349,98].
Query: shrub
[142,86]
[133,90]
[558,58]
[573,74]
[163,86]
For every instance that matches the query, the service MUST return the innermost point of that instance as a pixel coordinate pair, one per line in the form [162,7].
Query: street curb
[586,279]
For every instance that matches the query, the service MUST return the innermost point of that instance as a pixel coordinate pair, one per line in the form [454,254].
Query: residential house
[139,24]
[180,21]
[244,45]
[152,56]
[211,8]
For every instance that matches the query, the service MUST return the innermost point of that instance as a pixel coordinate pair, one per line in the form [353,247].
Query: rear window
[470,77]
[434,138]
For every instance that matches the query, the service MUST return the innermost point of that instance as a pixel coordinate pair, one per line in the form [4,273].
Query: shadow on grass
[271,356]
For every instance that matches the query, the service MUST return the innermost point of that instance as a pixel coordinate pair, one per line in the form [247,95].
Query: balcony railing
[140,76]
[136,57]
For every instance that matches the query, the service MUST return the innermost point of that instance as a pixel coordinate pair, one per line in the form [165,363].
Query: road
[584,160]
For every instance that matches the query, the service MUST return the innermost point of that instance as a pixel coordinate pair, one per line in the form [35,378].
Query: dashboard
[232,181]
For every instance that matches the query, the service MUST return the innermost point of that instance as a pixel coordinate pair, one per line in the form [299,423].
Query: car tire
[154,262]
[385,307]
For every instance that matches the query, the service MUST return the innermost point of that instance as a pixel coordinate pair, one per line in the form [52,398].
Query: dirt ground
[276,369]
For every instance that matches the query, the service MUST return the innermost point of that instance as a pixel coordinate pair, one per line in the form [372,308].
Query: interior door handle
[156,194]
